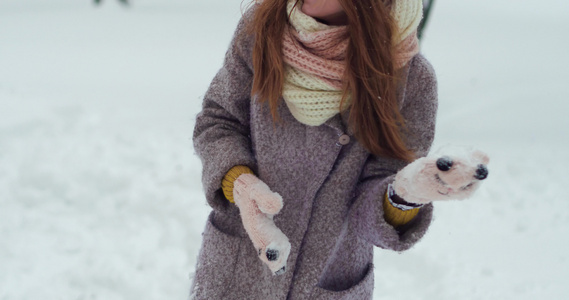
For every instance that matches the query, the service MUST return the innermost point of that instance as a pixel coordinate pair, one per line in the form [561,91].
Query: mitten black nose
[481,172]
[444,163]
[272,254]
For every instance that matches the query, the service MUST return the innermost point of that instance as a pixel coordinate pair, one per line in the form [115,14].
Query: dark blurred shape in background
[427,8]
[124,2]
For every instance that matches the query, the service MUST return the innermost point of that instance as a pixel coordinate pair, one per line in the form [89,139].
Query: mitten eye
[481,172]
[444,163]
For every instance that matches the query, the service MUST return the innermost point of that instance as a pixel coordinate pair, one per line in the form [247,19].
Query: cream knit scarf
[314,56]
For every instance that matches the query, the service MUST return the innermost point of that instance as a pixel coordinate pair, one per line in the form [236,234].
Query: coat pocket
[360,291]
[216,263]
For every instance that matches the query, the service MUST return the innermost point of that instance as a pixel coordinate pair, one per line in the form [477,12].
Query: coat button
[344,139]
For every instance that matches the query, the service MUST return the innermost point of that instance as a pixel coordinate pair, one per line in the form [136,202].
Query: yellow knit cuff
[229,178]
[396,216]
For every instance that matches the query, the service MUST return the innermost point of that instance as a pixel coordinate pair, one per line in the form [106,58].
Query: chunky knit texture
[407,15]
[314,55]
[396,216]
[229,179]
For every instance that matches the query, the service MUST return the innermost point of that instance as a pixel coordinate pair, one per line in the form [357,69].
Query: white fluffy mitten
[452,174]
[257,205]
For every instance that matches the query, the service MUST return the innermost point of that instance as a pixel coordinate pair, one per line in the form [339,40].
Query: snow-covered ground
[100,193]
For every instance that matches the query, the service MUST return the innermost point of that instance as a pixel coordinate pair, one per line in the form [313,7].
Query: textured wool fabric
[393,215]
[314,56]
[332,193]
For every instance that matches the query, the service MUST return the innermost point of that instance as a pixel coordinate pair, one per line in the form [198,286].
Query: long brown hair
[370,78]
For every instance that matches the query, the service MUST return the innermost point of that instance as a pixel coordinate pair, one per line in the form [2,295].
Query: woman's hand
[257,205]
[455,174]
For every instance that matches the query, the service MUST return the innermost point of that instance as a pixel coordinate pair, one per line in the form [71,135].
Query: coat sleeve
[221,135]
[419,109]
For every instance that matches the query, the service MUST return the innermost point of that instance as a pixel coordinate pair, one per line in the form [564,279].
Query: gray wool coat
[332,193]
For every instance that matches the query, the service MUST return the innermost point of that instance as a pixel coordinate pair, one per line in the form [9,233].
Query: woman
[318,106]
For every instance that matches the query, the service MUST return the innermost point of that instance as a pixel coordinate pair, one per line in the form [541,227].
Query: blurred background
[100,192]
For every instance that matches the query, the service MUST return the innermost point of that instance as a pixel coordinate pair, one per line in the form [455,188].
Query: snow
[100,192]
